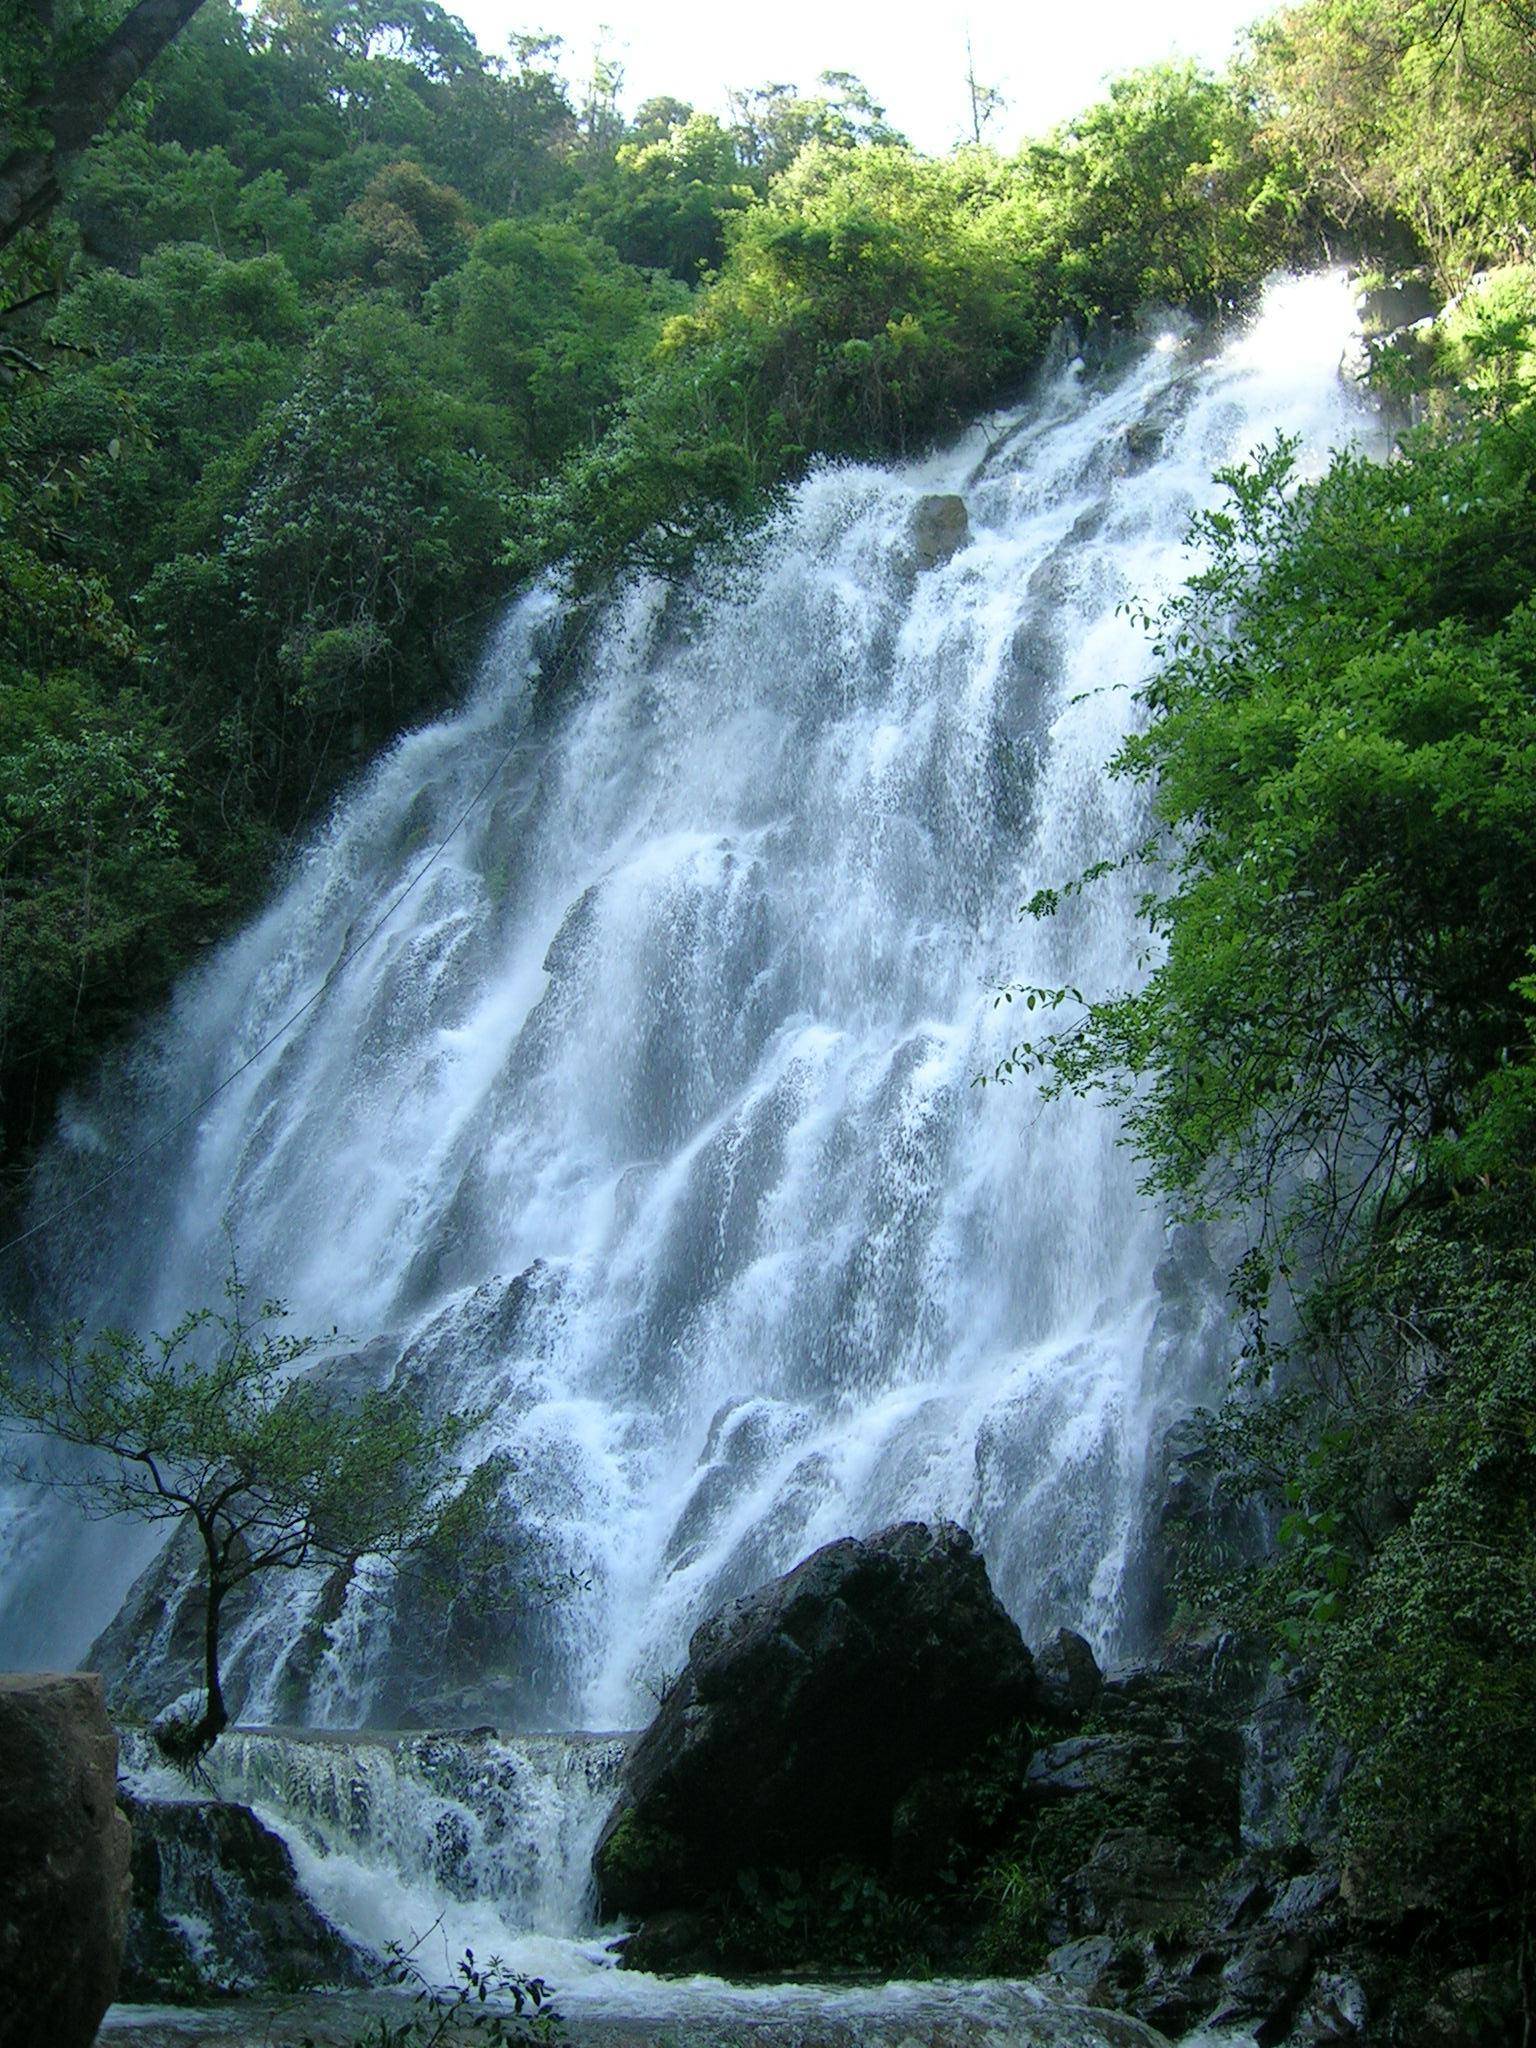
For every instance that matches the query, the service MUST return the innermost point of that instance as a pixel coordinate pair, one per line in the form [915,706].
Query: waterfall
[647,1123]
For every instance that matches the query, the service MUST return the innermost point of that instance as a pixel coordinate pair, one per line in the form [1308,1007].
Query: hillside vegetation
[345,326]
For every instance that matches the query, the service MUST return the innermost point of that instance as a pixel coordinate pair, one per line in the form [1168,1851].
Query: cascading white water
[648,1120]
[396,1834]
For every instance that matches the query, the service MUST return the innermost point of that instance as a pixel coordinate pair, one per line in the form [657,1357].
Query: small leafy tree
[211,1422]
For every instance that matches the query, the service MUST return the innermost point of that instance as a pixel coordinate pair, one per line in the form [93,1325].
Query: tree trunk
[215,1718]
[77,106]
[186,1743]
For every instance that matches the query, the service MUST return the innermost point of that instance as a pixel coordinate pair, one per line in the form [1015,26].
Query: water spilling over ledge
[394,1834]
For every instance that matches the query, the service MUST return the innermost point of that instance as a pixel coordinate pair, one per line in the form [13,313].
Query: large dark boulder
[807,1711]
[63,1861]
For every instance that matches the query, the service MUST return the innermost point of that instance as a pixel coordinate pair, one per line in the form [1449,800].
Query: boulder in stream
[808,1710]
[941,526]
[63,1860]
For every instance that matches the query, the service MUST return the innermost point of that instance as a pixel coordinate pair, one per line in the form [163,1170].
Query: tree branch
[78,105]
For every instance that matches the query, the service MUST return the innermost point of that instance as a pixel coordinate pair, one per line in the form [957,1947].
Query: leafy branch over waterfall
[213,1424]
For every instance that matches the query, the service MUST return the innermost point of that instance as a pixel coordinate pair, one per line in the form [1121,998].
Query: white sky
[1049,59]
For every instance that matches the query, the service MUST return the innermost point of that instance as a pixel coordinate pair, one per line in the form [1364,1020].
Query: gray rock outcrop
[64,1850]
[941,526]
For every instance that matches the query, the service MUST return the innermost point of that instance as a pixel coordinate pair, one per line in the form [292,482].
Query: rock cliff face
[63,1861]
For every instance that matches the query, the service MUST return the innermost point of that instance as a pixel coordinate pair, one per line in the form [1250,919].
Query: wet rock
[1336,2009]
[152,1650]
[941,526]
[1069,1676]
[808,1710]
[217,1906]
[64,1861]
[1400,302]
[675,1943]
[1143,443]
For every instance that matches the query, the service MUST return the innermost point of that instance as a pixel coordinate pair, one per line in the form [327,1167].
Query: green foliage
[840,1915]
[1015,1893]
[1486,341]
[1161,192]
[1407,119]
[667,206]
[875,298]
[1426,1671]
[487,2004]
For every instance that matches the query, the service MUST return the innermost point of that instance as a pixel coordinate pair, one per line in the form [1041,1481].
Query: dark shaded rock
[1087,1964]
[1190,1518]
[1470,2008]
[1263,1985]
[676,1943]
[1242,1896]
[1137,1882]
[805,1713]
[1276,1729]
[1302,1899]
[1177,1991]
[1069,1676]
[1335,2009]
[217,1906]
[1082,1764]
[64,1867]
[1158,1760]
[1400,302]
[924,1826]
[941,526]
